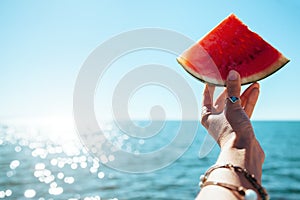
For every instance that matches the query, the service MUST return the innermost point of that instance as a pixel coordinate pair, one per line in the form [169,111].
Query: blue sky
[44,44]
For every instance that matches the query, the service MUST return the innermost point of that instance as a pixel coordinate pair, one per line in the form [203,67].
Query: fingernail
[232,75]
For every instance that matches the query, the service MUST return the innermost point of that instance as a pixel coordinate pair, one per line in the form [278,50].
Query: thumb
[233,85]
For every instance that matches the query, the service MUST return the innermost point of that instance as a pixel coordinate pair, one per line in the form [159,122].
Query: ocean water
[40,164]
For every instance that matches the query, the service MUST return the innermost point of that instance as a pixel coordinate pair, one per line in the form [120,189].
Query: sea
[53,163]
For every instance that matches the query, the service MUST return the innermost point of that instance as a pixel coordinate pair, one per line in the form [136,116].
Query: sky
[45,43]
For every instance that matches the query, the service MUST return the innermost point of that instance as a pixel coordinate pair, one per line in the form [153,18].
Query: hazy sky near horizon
[45,43]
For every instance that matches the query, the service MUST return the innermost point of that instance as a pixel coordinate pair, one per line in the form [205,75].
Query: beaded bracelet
[247,193]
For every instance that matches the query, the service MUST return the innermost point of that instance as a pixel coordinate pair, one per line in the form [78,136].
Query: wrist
[250,156]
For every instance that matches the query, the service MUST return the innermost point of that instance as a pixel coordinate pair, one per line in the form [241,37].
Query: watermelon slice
[231,45]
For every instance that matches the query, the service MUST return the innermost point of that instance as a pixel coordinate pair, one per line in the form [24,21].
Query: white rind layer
[279,63]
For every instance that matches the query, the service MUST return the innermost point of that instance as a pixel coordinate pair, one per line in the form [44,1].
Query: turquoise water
[36,165]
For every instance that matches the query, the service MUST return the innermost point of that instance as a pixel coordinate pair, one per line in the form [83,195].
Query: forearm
[249,157]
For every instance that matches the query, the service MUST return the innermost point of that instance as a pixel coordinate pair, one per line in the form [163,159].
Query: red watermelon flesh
[231,45]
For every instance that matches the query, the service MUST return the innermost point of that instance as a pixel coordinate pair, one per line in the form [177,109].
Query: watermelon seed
[251,57]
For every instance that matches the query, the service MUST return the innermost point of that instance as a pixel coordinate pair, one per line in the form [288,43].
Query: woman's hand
[224,119]
[229,123]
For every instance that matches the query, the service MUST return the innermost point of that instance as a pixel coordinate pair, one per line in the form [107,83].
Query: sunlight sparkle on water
[92,198]
[39,166]
[58,159]
[10,173]
[56,190]
[8,193]
[74,166]
[60,175]
[101,175]
[14,164]
[18,148]
[30,193]
[2,194]
[69,180]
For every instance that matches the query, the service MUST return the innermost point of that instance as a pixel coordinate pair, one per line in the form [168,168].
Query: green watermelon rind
[277,65]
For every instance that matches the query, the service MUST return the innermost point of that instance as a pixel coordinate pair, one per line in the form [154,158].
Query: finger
[246,93]
[233,85]
[208,96]
[207,104]
[251,102]
[220,102]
